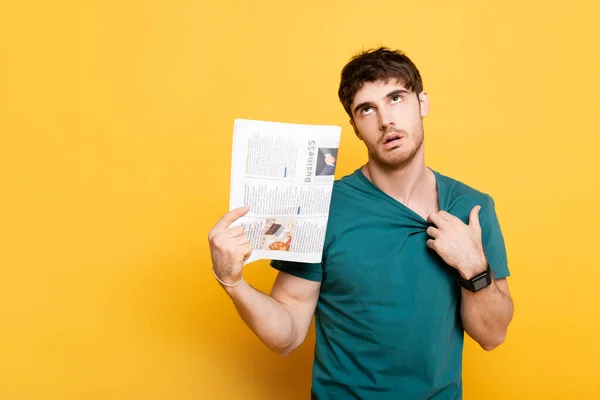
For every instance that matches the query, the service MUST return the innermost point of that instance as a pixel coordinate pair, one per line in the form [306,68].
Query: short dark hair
[380,64]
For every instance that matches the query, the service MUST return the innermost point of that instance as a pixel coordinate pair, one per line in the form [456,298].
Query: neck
[404,182]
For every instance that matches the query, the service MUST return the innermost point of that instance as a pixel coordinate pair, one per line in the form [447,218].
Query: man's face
[329,159]
[388,118]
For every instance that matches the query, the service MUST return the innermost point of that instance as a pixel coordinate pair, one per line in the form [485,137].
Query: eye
[366,110]
[396,99]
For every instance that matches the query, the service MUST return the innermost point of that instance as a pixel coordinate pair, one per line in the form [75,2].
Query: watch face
[480,283]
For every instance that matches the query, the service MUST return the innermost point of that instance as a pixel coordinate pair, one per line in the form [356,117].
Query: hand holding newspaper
[284,173]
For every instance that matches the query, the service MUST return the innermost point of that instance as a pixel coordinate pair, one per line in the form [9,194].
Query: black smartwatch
[478,282]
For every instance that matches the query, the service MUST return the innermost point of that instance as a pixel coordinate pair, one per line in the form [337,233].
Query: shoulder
[459,198]
[354,182]
[350,196]
[456,190]
[343,192]
[351,191]
[346,181]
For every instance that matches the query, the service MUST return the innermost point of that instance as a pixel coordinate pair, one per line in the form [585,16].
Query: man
[412,259]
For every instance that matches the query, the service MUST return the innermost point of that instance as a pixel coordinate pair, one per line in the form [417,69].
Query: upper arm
[502,284]
[493,240]
[299,296]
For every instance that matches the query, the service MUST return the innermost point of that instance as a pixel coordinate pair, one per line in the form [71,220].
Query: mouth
[391,139]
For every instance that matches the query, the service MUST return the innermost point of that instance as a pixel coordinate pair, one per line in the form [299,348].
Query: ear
[424,103]
[356,132]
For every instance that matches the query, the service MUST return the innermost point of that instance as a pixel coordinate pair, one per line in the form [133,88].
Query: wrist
[473,269]
[229,282]
[477,282]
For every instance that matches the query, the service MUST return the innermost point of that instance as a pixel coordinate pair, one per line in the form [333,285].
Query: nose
[386,119]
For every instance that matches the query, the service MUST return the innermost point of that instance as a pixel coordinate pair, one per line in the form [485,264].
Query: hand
[229,247]
[458,244]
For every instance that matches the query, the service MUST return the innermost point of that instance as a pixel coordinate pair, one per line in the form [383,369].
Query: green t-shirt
[388,316]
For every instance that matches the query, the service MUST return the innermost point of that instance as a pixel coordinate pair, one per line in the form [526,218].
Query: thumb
[474,217]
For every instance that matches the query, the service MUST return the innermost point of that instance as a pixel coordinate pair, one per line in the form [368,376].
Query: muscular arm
[487,313]
[281,320]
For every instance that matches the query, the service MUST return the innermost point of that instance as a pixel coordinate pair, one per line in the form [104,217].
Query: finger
[234,231]
[246,251]
[230,218]
[431,243]
[446,216]
[474,217]
[433,232]
[241,240]
[436,219]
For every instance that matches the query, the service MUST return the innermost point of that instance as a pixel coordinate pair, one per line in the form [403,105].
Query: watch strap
[478,282]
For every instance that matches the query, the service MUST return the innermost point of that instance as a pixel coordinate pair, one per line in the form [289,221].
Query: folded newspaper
[284,173]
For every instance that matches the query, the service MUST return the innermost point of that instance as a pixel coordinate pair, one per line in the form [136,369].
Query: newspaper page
[284,173]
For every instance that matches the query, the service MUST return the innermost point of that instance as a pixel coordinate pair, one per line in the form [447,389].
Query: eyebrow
[390,94]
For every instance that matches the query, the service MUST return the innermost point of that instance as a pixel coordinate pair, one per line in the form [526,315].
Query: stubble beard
[400,157]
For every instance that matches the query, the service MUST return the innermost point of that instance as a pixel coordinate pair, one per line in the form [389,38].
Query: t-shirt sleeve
[493,240]
[309,271]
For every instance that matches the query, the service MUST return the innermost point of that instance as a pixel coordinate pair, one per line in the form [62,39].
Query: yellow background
[116,122]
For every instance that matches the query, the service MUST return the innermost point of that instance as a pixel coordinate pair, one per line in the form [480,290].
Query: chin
[390,163]
[397,159]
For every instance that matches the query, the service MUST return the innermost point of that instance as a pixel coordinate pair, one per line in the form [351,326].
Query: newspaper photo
[284,173]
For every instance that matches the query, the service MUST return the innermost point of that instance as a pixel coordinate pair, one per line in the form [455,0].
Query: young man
[412,259]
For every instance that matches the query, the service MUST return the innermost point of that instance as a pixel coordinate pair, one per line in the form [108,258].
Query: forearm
[270,320]
[486,315]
